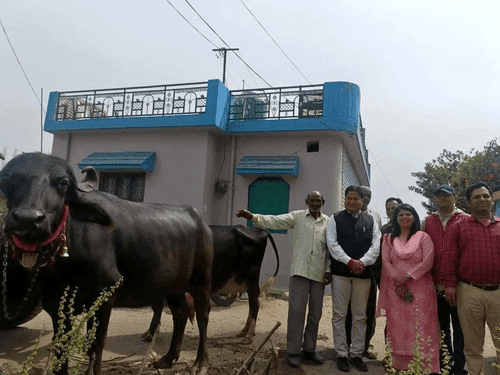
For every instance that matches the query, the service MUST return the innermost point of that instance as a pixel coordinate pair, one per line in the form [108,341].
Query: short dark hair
[313,192]
[415,227]
[479,185]
[356,189]
[393,199]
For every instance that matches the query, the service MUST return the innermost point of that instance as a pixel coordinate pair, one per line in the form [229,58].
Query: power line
[277,45]
[383,174]
[185,19]
[251,75]
[20,65]
[235,68]
[206,23]
[227,45]
[254,72]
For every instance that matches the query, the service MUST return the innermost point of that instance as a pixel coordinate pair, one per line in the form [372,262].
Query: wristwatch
[408,276]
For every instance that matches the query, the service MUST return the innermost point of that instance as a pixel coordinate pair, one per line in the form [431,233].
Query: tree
[459,170]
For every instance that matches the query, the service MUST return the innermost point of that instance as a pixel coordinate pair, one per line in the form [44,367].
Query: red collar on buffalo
[32,247]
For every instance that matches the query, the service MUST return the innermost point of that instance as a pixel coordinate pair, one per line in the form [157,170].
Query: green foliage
[421,363]
[28,363]
[459,170]
[73,340]
[496,337]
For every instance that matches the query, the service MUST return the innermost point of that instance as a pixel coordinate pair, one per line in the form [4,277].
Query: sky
[428,71]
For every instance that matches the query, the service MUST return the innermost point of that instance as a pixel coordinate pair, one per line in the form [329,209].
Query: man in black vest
[353,239]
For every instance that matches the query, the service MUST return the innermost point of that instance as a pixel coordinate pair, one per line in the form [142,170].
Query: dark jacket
[355,236]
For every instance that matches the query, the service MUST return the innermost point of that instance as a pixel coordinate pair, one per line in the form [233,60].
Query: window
[268,196]
[313,146]
[128,186]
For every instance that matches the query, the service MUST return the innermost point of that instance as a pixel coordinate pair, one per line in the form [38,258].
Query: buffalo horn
[89,183]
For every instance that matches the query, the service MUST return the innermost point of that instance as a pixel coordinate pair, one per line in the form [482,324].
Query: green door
[268,196]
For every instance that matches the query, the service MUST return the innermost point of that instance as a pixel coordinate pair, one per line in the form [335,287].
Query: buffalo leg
[52,309]
[202,309]
[180,319]
[155,322]
[102,316]
[253,310]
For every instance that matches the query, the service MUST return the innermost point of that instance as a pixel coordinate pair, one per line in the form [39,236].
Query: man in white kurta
[309,273]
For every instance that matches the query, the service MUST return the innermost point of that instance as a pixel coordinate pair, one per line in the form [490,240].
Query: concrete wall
[184,171]
[190,161]
[317,171]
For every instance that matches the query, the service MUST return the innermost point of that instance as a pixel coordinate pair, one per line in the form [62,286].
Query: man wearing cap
[470,274]
[436,226]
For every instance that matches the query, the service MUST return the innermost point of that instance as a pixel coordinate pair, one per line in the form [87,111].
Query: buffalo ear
[83,209]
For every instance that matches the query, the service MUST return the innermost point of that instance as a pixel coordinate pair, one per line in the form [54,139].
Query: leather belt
[488,287]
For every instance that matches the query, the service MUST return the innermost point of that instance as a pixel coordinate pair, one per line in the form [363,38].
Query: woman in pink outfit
[407,295]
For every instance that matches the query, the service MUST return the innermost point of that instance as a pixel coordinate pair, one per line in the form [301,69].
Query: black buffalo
[238,255]
[160,251]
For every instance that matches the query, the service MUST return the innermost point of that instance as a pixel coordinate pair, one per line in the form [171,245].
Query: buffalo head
[39,190]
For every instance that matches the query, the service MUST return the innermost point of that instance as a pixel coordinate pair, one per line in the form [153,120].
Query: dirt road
[225,350]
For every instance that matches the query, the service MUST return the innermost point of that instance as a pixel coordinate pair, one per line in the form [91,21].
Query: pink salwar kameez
[407,319]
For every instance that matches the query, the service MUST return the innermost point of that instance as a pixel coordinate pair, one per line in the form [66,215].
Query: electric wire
[383,174]
[277,45]
[251,75]
[185,19]
[234,66]
[238,56]
[20,65]
[206,23]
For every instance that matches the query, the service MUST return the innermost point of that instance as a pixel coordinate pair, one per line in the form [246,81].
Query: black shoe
[343,364]
[359,364]
[293,360]
[313,357]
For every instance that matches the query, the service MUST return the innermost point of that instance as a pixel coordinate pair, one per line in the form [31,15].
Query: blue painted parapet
[183,105]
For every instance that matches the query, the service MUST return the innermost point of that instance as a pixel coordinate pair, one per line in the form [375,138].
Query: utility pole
[224,51]
[41,122]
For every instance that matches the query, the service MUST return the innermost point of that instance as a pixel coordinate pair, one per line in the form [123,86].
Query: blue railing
[277,103]
[178,99]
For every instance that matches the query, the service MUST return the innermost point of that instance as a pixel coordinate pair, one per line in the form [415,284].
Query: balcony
[132,102]
[277,103]
[332,106]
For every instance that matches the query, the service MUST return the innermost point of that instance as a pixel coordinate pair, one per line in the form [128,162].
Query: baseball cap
[447,189]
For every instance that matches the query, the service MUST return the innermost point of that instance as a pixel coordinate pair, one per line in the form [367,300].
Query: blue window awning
[125,161]
[287,166]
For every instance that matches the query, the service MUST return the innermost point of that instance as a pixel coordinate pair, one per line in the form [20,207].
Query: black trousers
[449,315]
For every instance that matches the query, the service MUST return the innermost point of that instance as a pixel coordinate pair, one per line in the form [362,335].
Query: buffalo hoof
[247,340]
[195,370]
[242,333]
[162,363]
[147,337]
[247,336]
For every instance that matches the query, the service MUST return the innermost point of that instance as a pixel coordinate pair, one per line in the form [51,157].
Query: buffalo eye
[63,186]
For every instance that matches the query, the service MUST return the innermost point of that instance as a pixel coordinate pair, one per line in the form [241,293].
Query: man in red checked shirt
[471,274]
